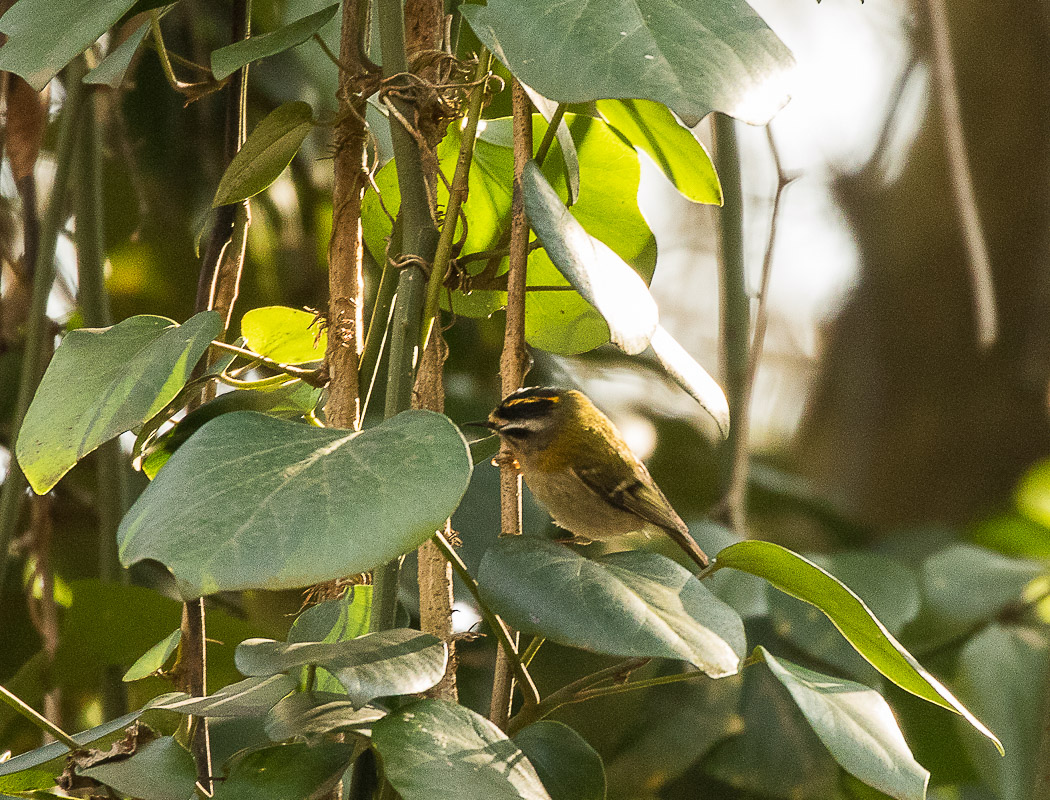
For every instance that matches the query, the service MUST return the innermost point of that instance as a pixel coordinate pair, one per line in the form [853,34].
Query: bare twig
[979,261]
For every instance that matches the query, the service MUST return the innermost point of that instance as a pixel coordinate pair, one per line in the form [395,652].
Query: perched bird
[578,466]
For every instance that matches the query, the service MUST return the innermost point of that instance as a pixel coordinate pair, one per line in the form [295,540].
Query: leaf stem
[531,651]
[457,195]
[38,719]
[38,323]
[549,134]
[499,627]
[307,375]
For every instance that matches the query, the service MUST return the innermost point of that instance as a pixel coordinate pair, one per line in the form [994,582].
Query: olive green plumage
[578,466]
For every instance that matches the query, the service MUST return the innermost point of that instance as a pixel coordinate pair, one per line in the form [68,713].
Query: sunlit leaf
[284,771]
[391,662]
[632,604]
[570,158]
[434,748]
[316,713]
[104,381]
[694,56]
[45,35]
[569,767]
[160,770]
[227,60]
[687,373]
[247,698]
[270,148]
[857,727]
[336,620]
[154,658]
[793,574]
[675,150]
[252,501]
[283,334]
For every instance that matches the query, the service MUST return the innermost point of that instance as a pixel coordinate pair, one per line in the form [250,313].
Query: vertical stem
[345,280]
[419,240]
[735,322]
[37,323]
[513,365]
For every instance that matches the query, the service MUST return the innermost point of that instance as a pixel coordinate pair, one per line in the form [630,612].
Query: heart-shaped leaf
[103,382]
[631,604]
[434,748]
[857,727]
[793,574]
[227,60]
[283,334]
[569,767]
[45,35]
[651,127]
[270,148]
[255,502]
[386,663]
[694,56]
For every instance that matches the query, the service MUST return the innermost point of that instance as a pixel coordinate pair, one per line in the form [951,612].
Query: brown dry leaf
[26,122]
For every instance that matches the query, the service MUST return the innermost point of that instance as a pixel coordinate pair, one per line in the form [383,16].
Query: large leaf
[434,748]
[227,60]
[285,771]
[283,334]
[695,56]
[392,662]
[569,767]
[595,271]
[45,35]
[857,727]
[793,574]
[255,502]
[632,604]
[103,382]
[270,148]
[248,698]
[160,770]
[651,127]
[1003,674]
[316,713]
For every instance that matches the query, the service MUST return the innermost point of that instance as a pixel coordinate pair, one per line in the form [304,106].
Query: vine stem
[38,719]
[37,323]
[457,195]
[513,365]
[499,627]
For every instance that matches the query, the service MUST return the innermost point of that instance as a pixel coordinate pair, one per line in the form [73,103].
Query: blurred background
[886,442]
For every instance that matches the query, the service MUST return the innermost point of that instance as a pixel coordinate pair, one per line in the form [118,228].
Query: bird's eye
[516,432]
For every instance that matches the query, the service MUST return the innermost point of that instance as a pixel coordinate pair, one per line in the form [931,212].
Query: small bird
[578,466]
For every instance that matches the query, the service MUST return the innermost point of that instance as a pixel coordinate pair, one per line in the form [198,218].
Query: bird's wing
[634,492]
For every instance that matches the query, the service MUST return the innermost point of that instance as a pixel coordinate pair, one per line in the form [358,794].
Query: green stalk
[38,324]
[457,194]
[419,243]
[38,719]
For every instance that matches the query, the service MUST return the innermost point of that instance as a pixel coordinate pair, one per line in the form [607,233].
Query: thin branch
[38,719]
[550,133]
[979,261]
[308,375]
[513,366]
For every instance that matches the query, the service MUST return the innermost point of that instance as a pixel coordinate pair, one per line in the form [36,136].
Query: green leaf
[285,771]
[1003,673]
[115,65]
[255,502]
[651,127]
[270,148]
[248,698]
[283,334]
[967,584]
[160,770]
[336,620]
[289,401]
[857,726]
[594,270]
[45,35]
[570,158]
[631,604]
[382,664]
[695,56]
[793,574]
[687,373]
[569,767]
[154,658]
[434,748]
[103,382]
[316,713]
[227,60]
